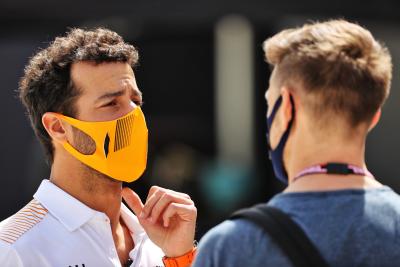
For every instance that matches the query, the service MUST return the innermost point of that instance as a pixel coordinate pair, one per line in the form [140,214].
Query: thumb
[133,200]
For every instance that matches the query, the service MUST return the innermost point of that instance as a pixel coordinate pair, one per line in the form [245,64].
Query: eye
[137,101]
[110,104]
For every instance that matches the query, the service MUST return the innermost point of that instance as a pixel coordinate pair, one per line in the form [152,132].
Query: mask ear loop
[273,112]
[278,164]
[275,109]
[293,109]
[270,120]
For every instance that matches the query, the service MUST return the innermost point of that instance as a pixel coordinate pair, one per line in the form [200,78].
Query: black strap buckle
[338,168]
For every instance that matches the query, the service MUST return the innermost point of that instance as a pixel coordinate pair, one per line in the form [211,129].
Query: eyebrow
[117,94]
[111,95]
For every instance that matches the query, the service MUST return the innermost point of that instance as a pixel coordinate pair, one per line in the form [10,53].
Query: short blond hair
[338,63]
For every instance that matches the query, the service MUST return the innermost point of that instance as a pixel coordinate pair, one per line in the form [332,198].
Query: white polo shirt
[55,229]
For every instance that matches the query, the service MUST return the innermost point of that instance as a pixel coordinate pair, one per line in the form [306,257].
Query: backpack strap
[289,237]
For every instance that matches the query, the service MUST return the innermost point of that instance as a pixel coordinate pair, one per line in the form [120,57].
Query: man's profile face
[107,91]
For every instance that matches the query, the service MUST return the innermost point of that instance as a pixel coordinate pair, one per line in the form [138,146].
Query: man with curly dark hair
[84,106]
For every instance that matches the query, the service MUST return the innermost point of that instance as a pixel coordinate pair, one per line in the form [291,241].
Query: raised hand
[168,217]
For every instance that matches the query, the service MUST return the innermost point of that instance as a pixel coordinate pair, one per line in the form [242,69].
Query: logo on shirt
[76,265]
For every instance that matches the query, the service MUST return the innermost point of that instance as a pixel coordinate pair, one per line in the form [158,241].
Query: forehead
[95,79]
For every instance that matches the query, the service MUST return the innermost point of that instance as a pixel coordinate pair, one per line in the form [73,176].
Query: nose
[128,107]
[132,105]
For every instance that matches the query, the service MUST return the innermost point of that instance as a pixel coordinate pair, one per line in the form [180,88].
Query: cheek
[269,109]
[268,104]
[273,138]
[271,99]
[276,131]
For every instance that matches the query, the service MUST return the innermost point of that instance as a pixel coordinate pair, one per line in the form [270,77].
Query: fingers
[155,189]
[185,212]
[163,203]
[150,203]
[158,201]
[133,200]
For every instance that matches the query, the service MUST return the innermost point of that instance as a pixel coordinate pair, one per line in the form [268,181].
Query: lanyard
[334,168]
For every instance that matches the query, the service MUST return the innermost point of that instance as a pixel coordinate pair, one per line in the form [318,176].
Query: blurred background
[203,77]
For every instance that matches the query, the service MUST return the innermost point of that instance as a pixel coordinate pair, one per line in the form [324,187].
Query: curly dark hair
[46,85]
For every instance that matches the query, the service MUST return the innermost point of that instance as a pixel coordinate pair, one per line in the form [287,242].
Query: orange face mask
[121,145]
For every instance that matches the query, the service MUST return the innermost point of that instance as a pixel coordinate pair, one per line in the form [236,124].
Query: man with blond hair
[326,92]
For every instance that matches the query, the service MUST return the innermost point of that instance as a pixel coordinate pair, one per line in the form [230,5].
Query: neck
[308,151]
[324,153]
[92,188]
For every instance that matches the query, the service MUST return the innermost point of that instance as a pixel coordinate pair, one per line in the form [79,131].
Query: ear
[375,119]
[54,127]
[286,110]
